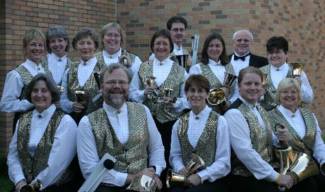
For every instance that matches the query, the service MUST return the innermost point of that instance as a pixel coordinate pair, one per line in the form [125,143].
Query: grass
[5,183]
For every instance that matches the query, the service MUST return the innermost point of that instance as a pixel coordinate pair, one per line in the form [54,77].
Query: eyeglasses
[118,82]
[178,29]
[243,40]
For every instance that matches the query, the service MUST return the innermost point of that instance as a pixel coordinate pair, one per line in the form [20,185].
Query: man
[242,56]
[123,129]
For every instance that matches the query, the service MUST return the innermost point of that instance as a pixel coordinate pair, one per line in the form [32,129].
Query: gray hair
[285,84]
[250,34]
[57,31]
[110,68]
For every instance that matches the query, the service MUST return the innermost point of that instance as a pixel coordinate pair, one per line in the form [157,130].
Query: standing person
[114,42]
[57,41]
[277,53]
[192,133]
[123,129]
[304,132]
[215,64]
[242,56]
[13,96]
[169,76]
[251,138]
[44,142]
[81,91]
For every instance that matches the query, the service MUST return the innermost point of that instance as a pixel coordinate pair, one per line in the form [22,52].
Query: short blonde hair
[32,34]
[119,29]
[285,84]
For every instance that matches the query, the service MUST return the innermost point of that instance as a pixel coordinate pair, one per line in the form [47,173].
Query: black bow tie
[241,58]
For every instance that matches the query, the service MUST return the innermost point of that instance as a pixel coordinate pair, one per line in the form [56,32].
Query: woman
[44,142]
[214,64]
[251,138]
[278,69]
[113,40]
[194,131]
[13,96]
[165,99]
[57,41]
[81,90]
[305,134]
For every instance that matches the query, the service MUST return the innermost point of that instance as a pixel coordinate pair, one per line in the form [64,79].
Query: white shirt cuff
[204,175]
[120,178]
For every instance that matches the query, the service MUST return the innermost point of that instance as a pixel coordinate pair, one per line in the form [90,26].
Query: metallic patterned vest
[27,76]
[90,87]
[173,81]
[131,156]
[268,102]
[306,144]
[101,61]
[33,165]
[261,138]
[207,138]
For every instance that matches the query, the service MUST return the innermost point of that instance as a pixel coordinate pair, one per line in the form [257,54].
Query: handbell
[80,95]
[297,69]
[150,81]
[174,179]
[229,79]
[216,97]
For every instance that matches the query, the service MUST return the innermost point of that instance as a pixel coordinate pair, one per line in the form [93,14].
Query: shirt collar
[91,61]
[163,62]
[178,48]
[111,110]
[49,111]
[202,113]
[246,54]
[251,106]
[287,112]
[214,63]
[281,68]
[57,58]
[33,65]
[117,54]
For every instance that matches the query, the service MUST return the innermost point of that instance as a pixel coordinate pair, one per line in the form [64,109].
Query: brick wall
[301,22]
[17,16]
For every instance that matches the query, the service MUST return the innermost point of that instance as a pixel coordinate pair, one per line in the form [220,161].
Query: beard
[116,97]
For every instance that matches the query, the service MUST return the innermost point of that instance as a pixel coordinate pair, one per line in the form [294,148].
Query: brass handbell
[166,92]
[151,83]
[194,165]
[80,95]
[229,79]
[216,97]
[297,69]
[264,80]
[125,59]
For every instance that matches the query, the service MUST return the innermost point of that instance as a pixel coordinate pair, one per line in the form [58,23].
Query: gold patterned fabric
[33,165]
[174,81]
[131,156]
[90,86]
[268,102]
[100,58]
[207,138]
[261,138]
[306,144]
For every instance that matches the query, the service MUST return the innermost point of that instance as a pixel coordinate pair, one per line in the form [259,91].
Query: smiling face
[41,96]
[250,88]
[215,49]
[242,43]
[197,97]
[161,48]
[58,46]
[86,48]
[277,57]
[35,50]
[289,98]
[112,40]
[115,87]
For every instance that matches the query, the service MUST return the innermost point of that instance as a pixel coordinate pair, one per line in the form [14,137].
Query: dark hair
[57,31]
[110,68]
[84,33]
[249,69]
[49,83]
[162,33]
[277,43]
[176,19]
[204,54]
[198,80]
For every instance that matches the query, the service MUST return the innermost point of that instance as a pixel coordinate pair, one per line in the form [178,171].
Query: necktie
[240,57]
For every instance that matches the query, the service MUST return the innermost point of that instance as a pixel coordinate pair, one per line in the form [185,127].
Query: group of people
[153,117]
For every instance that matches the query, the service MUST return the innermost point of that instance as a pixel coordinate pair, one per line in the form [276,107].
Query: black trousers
[219,185]
[250,184]
[106,188]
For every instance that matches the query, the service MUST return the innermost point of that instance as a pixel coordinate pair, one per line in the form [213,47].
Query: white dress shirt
[87,150]
[161,70]
[62,152]
[178,50]
[280,73]
[57,66]
[242,145]
[13,87]
[216,67]
[297,122]
[221,166]
[114,58]
[85,69]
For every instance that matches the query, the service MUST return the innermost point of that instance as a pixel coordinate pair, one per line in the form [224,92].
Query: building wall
[301,22]
[17,16]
